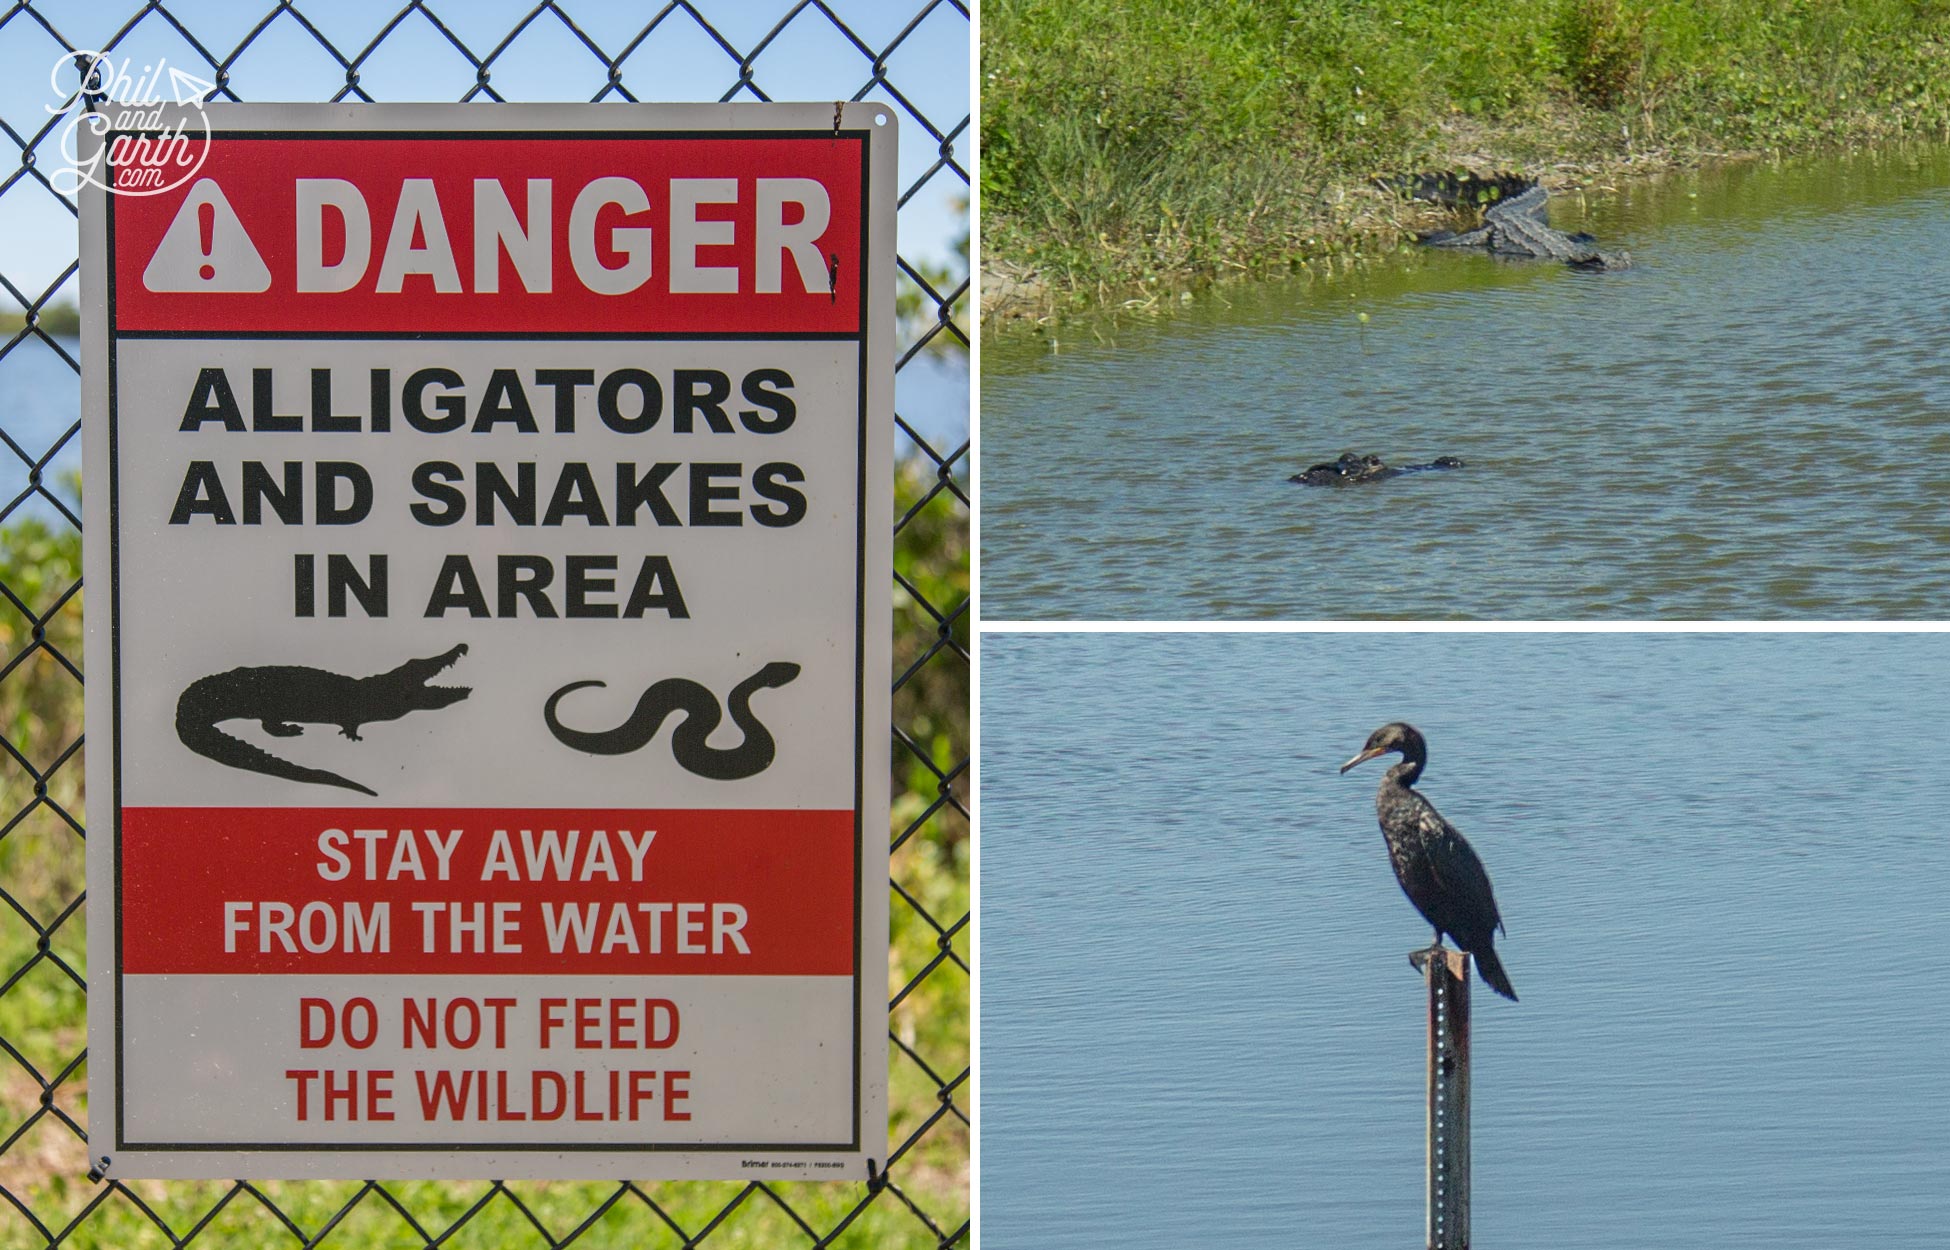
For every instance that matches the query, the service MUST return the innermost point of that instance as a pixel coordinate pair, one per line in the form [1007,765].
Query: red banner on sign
[550,234]
[436,890]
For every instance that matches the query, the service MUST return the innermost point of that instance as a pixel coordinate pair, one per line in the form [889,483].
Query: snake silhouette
[701,716]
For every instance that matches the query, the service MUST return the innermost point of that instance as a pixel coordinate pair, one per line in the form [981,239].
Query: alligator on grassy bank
[1513,223]
[1350,468]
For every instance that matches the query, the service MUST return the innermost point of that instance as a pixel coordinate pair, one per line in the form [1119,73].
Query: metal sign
[488,637]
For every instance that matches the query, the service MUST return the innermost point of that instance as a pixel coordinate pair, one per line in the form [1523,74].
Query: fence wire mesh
[483,50]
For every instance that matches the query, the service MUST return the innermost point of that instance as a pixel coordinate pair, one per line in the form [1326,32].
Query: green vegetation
[919,312]
[43,1006]
[1126,142]
[60,320]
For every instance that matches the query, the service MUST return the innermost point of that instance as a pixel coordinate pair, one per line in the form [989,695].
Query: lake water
[40,406]
[1752,423]
[1722,862]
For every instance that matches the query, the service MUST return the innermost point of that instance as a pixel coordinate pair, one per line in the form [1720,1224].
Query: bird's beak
[1366,755]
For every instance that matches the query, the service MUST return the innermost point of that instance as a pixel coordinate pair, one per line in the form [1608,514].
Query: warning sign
[206,249]
[488,521]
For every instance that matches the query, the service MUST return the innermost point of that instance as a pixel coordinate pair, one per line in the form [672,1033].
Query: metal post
[1447,975]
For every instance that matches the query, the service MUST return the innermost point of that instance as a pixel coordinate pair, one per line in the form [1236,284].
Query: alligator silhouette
[1514,222]
[701,715]
[1350,468]
[282,696]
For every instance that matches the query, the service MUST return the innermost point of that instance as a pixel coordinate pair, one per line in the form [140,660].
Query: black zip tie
[100,1170]
[833,258]
[92,91]
[876,1179]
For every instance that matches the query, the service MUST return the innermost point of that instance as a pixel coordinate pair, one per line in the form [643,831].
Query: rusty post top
[1456,961]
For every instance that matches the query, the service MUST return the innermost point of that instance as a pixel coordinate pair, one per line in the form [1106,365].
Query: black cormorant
[1438,871]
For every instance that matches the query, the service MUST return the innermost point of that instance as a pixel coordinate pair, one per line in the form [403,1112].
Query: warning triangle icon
[206,249]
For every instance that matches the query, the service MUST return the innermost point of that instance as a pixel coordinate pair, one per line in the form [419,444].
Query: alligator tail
[1457,190]
[207,740]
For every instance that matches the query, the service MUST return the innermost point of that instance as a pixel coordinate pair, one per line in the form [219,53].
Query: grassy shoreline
[60,320]
[1128,152]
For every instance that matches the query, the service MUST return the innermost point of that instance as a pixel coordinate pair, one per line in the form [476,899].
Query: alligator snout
[1350,468]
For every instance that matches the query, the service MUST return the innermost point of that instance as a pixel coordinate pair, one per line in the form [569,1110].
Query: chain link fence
[491,51]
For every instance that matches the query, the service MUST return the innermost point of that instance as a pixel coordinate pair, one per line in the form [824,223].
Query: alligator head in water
[1350,468]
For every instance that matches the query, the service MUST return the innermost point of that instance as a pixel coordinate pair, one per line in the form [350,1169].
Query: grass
[1125,143]
[43,958]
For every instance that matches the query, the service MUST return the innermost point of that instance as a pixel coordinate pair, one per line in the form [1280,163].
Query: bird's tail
[1493,975]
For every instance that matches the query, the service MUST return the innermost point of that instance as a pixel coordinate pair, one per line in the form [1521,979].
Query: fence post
[1446,973]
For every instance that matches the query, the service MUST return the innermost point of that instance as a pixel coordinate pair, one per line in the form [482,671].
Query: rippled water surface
[1752,423]
[1722,860]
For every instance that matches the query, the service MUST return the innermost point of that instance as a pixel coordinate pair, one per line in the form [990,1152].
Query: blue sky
[810,60]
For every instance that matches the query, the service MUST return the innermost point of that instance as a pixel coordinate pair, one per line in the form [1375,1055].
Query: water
[40,406]
[1721,859]
[1753,423]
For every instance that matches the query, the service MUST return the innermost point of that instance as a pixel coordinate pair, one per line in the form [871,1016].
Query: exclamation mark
[206,229]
